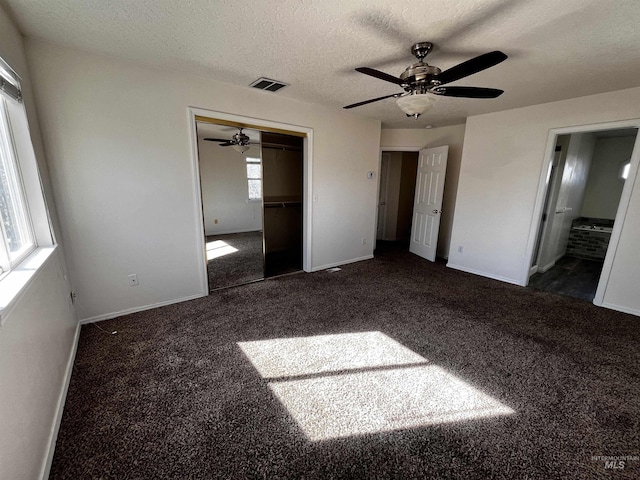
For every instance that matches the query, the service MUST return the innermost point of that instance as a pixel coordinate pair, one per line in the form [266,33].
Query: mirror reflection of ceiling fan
[422,81]
[239,141]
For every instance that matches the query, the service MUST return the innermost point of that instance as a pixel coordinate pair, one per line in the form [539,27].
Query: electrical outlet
[133,280]
[460,249]
[364,241]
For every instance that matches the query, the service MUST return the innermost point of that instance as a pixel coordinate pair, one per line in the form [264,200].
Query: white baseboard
[344,262]
[547,267]
[631,311]
[55,428]
[127,311]
[484,274]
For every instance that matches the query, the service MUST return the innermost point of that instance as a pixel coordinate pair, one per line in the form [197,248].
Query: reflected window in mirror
[254,178]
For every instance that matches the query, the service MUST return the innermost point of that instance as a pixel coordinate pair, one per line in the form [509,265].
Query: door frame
[389,149]
[257,123]
[623,206]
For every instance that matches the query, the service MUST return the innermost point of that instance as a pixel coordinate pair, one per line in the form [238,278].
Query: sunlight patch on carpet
[218,248]
[378,401]
[360,383]
[288,357]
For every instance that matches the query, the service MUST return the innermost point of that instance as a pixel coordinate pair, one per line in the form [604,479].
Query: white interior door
[427,203]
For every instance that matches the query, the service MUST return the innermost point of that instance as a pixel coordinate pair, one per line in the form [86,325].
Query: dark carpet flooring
[244,265]
[171,395]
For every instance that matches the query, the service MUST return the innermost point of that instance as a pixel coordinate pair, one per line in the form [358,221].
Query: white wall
[436,137]
[38,335]
[225,194]
[118,142]
[36,343]
[622,288]
[605,186]
[501,168]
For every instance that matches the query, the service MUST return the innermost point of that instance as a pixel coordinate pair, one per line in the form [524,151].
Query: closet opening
[282,165]
[252,197]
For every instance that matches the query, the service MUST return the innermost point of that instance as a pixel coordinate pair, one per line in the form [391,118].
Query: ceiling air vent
[268,84]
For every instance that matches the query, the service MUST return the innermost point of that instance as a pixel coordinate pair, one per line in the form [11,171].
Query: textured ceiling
[557,49]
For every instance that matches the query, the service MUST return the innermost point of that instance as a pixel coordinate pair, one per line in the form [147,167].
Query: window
[254,178]
[624,170]
[15,225]
[26,235]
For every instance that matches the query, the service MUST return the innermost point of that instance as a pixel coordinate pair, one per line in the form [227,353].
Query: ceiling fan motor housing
[240,138]
[419,74]
[421,49]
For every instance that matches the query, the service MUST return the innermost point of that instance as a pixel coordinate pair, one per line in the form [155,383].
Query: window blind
[9,82]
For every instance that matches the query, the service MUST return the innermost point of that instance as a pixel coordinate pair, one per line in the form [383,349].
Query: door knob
[435,211]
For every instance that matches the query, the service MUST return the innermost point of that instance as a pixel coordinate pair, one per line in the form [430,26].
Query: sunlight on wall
[218,248]
[358,383]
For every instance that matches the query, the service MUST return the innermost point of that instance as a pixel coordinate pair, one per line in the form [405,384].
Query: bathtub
[588,241]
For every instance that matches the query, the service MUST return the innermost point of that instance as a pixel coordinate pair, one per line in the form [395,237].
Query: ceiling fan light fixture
[415,104]
[240,148]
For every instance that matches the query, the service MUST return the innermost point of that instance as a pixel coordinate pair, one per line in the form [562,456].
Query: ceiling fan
[420,80]
[239,141]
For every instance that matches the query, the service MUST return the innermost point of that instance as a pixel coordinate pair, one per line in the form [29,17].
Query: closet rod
[281,204]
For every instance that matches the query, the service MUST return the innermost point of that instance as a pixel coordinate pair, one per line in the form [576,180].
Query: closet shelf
[281,202]
[281,146]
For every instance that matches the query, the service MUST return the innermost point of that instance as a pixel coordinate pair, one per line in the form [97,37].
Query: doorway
[249,238]
[585,182]
[410,200]
[395,200]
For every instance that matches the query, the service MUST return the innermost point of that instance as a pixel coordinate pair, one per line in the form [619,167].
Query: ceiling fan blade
[472,66]
[217,139]
[226,144]
[372,100]
[380,75]
[467,92]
